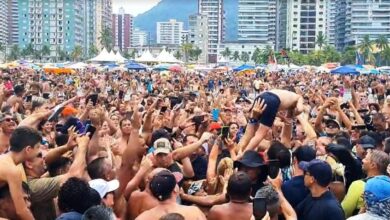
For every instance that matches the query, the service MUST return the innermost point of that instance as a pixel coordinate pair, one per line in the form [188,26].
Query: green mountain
[181,10]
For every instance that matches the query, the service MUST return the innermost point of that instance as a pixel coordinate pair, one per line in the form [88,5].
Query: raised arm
[15,186]
[77,169]
[186,151]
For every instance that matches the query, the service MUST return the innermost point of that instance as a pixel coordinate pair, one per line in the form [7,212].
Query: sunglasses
[9,120]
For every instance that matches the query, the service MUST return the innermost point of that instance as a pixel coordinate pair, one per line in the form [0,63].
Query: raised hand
[258,108]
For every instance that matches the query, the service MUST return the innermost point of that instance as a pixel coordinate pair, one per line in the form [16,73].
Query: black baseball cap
[367,142]
[319,169]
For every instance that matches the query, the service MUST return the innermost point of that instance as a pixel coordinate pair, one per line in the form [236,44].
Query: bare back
[189,212]
[140,202]
[288,100]
[231,211]
[7,165]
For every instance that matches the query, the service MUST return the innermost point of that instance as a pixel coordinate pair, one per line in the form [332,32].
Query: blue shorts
[269,114]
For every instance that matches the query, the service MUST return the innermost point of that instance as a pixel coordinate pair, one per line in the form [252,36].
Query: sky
[134,7]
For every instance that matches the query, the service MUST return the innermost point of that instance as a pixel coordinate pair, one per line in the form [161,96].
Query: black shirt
[200,167]
[295,190]
[325,207]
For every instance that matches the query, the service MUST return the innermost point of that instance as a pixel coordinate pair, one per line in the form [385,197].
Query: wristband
[253,121]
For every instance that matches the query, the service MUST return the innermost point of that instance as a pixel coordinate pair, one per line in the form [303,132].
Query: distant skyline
[134,7]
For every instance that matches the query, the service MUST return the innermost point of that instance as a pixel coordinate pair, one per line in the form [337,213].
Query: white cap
[103,187]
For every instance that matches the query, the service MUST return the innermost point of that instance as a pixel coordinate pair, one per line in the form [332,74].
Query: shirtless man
[7,125]
[25,143]
[239,191]
[140,201]
[164,188]
[17,98]
[268,104]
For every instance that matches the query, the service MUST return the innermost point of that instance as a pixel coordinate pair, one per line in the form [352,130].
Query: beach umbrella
[344,70]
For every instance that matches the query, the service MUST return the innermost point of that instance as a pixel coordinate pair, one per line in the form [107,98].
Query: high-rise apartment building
[366,17]
[213,9]
[331,21]
[305,20]
[169,32]
[281,24]
[139,38]
[12,22]
[341,10]
[257,21]
[102,18]
[59,24]
[122,26]
[3,22]
[198,34]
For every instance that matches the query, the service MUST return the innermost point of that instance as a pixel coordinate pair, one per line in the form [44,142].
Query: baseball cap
[162,145]
[304,153]
[215,126]
[332,121]
[319,169]
[163,184]
[377,195]
[367,142]
[68,111]
[250,158]
[103,187]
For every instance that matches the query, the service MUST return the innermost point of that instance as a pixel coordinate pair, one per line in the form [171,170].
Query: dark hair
[239,186]
[387,146]
[124,119]
[160,133]
[272,199]
[172,216]
[5,193]
[98,212]
[23,137]
[277,151]
[95,168]
[18,90]
[76,195]
[189,135]
[58,164]
[61,139]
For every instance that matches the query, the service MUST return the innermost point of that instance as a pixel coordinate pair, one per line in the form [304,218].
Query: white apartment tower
[257,21]
[305,20]
[3,22]
[139,38]
[169,32]
[198,34]
[213,9]
[366,17]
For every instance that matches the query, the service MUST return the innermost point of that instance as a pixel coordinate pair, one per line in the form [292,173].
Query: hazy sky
[134,7]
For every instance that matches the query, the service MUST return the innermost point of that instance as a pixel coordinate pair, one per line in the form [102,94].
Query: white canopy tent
[146,57]
[165,57]
[119,58]
[79,65]
[104,56]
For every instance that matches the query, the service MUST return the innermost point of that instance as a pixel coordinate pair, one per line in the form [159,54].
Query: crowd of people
[216,145]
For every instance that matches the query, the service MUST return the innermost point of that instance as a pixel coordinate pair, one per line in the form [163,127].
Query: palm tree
[105,38]
[93,51]
[77,52]
[244,57]
[366,46]
[195,53]
[349,55]
[186,48]
[45,50]
[256,56]
[381,43]
[236,55]
[178,55]
[226,53]
[385,54]
[321,40]
[15,52]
